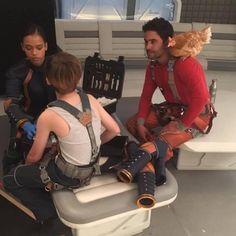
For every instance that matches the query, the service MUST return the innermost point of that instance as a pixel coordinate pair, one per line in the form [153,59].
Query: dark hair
[63,71]
[161,26]
[31,29]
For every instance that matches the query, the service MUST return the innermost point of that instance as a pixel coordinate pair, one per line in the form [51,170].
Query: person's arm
[111,127]
[196,91]
[12,104]
[15,76]
[43,129]
[145,101]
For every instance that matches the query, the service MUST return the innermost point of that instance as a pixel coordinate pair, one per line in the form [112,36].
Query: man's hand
[144,133]
[29,129]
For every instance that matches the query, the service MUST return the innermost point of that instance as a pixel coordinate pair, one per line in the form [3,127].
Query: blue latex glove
[29,129]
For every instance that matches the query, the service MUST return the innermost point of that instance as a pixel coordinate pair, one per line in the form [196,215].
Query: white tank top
[76,146]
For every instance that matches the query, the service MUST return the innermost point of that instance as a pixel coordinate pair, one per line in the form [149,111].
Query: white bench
[107,207]
[216,150]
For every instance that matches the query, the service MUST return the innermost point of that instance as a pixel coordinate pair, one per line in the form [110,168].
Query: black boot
[160,171]
[159,163]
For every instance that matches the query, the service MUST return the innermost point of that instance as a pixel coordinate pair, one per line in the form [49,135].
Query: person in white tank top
[63,72]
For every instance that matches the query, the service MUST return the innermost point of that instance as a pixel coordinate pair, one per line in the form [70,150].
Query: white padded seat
[107,207]
[216,150]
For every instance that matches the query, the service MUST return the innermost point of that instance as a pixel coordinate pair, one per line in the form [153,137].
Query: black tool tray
[104,78]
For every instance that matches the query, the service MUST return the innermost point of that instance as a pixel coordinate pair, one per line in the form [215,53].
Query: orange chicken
[189,43]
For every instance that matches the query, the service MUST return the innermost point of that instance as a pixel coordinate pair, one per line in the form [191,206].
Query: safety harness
[82,173]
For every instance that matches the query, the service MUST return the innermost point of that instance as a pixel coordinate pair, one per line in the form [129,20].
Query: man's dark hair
[161,26]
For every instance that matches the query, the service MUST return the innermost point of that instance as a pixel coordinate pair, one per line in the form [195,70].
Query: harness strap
[85,101]
[213,115]
[171,81]
[84,117]
[81,173]
[25,87]
[49,184]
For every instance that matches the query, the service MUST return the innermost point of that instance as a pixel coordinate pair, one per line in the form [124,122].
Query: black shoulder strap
[85,101]
[84,117]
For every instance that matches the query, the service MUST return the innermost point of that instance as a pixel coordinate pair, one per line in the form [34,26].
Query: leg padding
[137,162]
[146,187]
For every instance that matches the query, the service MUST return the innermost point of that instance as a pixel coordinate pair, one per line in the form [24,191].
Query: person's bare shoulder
[47,116]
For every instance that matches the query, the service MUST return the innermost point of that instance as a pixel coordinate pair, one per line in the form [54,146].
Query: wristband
[20,123]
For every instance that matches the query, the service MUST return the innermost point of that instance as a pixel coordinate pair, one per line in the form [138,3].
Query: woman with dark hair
[27,93]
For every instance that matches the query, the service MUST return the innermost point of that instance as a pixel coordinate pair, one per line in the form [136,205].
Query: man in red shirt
[186,111]
[188,91]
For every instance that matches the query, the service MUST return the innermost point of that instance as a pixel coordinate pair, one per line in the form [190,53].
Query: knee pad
[135,163]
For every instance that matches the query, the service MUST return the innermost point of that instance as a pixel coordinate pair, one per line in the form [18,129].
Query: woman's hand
[29,129]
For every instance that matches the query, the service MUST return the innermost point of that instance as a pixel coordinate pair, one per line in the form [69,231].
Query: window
[118,9]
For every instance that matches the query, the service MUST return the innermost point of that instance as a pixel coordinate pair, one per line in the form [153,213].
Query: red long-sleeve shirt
[190,83]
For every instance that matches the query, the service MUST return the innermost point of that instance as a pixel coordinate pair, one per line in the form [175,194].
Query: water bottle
[212,90]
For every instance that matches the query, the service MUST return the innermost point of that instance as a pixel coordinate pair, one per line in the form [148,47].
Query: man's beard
[152,55]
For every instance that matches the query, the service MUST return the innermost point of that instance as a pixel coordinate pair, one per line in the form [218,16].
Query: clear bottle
[212,90]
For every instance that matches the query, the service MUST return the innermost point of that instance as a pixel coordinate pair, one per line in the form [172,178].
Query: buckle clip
[85,118]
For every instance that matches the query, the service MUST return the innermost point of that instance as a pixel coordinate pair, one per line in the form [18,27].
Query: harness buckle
[49,186]
[85,118]
[97,170]
[44,176]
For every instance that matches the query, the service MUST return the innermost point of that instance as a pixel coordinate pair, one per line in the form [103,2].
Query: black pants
[25,183]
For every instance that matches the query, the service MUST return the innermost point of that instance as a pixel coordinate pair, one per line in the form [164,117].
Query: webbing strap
[85,101]
[25,87]
[84,117]
[171,80]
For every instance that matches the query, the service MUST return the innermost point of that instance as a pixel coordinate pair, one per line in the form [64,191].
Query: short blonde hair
[63,72]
